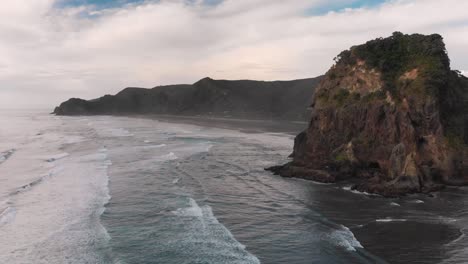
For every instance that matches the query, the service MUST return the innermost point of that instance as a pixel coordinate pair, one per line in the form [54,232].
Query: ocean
[128,190]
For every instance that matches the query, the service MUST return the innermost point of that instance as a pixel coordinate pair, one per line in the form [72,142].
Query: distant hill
[278,100]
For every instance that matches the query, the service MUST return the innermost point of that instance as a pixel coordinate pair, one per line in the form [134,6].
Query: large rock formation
[285,100]
[390,115]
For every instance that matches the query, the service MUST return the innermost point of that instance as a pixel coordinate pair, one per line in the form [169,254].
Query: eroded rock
[391,115]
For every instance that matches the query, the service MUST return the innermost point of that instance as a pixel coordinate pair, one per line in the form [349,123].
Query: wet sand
[243,125]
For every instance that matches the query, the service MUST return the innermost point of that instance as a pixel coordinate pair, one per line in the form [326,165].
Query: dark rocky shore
[390,115]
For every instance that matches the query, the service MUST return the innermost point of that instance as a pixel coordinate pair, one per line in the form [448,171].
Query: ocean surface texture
[124,190]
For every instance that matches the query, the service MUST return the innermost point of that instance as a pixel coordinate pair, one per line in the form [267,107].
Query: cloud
[51,52]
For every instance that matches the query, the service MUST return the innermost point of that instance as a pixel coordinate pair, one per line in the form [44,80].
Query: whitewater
[103,189]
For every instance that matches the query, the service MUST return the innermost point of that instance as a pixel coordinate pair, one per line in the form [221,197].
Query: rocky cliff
[282,100]
[391,116]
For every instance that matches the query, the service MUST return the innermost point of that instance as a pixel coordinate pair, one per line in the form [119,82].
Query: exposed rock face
[389,114]
[285,100]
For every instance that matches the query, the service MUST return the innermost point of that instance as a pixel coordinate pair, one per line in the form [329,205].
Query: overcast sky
[51,50]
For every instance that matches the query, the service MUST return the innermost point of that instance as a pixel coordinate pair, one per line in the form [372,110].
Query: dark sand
[243,125]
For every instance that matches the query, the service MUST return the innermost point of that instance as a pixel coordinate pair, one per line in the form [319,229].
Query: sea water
[105,189]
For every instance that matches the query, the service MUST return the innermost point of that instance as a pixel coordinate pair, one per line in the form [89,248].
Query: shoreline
[242,125]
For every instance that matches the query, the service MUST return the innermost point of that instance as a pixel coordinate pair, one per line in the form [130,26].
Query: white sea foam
[388,220]
[120,132]
[103,149]
[193,210]
[7,215]
[206,147]
[53,212]
[57,157]
[154,146]
[208,231]
[348,188]
[38,180]
[167,157]
[74,139]
[175,181]
[5,155]
[416,201]
[343,237]
[394,204]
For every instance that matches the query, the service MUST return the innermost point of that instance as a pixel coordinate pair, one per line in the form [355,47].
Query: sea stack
[391,116]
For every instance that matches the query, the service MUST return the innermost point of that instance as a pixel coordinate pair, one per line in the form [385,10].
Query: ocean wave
[209,233]
[37,181]
[102,150]
[6,155]
[416,201]
[7,215]
[74,139]
[394,204]
[388,220]
[344,238]
[167,157]
[154,146]
[120,132]
[105,197]
[192,211]
[348,188]
[57,157]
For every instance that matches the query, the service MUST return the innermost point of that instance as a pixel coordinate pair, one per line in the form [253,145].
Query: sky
[52,50]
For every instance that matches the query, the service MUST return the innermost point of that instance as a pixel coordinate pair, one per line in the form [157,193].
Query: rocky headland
[245,99]
[390,116]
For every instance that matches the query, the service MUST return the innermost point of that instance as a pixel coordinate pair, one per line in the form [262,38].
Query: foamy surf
[349,189]
[57,157]
[37,181]
[417,201]
[154,146]
[120,132]
[54,200]
[167,157]
[6,155]
[389,220]
[7,216]
[344,238]
[208,233]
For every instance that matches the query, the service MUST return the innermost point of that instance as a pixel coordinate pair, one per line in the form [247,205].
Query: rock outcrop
[391,116]
[280,100]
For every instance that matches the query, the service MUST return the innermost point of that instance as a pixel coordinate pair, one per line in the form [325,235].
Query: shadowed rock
[286,100]
[390,114]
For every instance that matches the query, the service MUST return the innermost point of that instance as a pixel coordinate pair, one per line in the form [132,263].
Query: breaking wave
[36,182]
[57,157]
[343,237]
[6,155]
[7,215]
[388,220]
[211,235]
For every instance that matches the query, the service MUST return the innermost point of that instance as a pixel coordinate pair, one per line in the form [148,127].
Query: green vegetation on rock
[401,53]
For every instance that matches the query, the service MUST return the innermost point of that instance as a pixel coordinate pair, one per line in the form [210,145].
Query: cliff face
[284,100]
[389,114]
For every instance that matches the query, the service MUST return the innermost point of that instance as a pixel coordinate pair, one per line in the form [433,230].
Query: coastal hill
[390,115]
[277,100]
